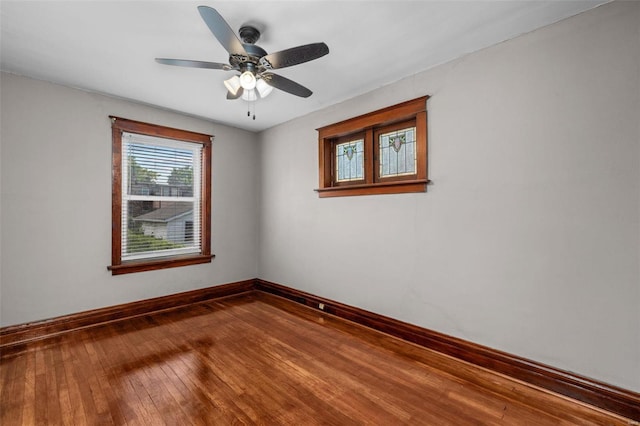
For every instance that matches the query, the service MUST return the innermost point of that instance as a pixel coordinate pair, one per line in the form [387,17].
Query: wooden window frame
[413,111]
[117,267]
[376,150]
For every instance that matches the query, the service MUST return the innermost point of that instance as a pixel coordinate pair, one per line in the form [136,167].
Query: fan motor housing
[242,62]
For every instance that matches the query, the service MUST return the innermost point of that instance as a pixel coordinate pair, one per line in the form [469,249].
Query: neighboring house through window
[161,193]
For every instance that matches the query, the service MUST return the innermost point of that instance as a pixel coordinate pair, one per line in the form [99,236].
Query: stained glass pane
[398,152]
[350,160]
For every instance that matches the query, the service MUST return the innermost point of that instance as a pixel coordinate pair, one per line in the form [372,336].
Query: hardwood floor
[259,359]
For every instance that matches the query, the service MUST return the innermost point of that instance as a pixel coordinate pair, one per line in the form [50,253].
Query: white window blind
[161,200]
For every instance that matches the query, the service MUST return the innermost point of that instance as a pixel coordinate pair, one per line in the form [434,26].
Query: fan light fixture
[233,85]
[263,88]
[249,95]
[248,80]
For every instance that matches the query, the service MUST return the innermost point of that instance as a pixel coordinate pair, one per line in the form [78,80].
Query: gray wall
[56,203]
[528,239]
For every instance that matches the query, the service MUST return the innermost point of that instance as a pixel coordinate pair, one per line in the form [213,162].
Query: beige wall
[56,203]
[528,239]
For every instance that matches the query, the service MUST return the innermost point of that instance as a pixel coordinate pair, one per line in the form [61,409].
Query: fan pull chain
[249,105]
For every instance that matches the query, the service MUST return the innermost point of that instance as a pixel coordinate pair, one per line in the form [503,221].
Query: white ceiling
[109,47]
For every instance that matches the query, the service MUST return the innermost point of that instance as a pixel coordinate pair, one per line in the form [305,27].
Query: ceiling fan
[252,63]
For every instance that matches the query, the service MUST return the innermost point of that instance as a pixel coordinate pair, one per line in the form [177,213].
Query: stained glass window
[350,161]
[398,152]
[382,152]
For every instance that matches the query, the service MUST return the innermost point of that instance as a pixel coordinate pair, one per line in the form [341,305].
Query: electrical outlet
[321,306]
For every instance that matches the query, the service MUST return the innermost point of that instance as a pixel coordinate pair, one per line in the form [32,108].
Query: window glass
[160,189]
[350,161]
[398,152]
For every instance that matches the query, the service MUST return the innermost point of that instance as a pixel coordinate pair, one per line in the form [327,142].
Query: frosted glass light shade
[247,80]
[233,85]
[249,95]
[263,88]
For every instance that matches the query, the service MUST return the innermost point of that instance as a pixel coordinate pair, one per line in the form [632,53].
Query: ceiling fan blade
[221,30]
[296,55]
[286,85]
[231,96]
[193,64]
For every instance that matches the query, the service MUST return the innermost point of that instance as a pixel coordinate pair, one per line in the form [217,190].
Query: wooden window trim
[120,125]
[413,110]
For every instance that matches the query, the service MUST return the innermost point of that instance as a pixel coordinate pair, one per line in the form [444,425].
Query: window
[383,152]
[161,191]
[349,159]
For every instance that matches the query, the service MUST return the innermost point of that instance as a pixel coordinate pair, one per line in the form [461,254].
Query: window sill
[398,187]
[151,265]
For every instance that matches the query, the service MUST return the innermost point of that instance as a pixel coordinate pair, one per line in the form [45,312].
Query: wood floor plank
[41,394]
[12,389]
[64,392]
[54,388]
[259,359]
[28,410]
[77,414]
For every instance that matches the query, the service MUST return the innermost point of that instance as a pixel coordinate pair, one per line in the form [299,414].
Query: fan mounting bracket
[249,34]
